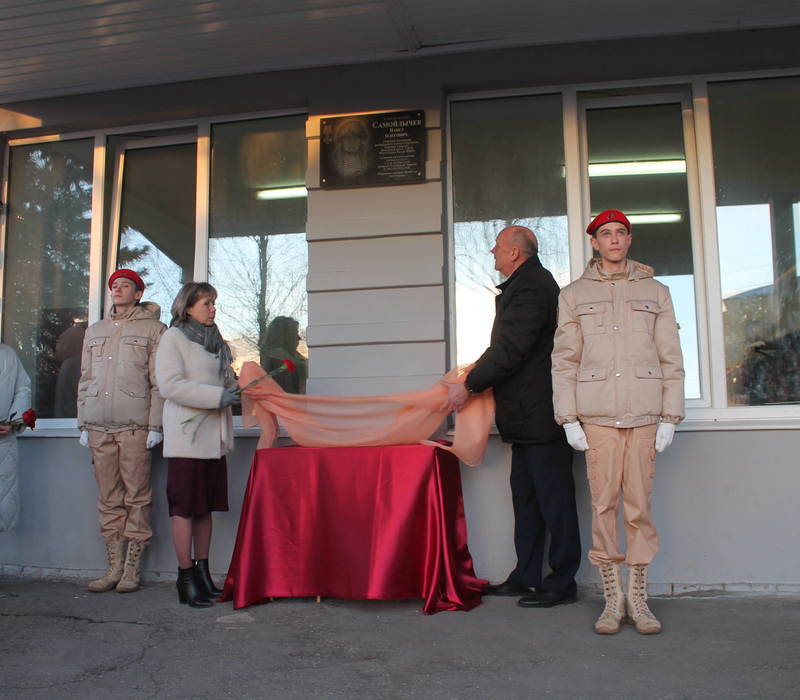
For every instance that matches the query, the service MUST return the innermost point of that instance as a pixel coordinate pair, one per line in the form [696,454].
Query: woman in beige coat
[193,370]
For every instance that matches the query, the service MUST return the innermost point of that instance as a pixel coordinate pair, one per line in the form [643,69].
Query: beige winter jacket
[117,390]
[191,384]
[617,357]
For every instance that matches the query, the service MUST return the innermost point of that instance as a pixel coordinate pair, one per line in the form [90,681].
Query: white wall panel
[370,386]
[387,332]
[379,253]
[398,360]
[375,277]
[374,211]
[377,306]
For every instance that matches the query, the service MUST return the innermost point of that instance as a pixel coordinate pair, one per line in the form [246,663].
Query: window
[258,256]
[637,163]
[508,168]
[225,201]
[46,271]
[156,212]
[660,156]
[756,132]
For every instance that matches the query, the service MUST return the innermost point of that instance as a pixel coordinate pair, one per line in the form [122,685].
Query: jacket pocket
[592,374]
[135,349]
[134,380]
[592,317]
[95,346]
[643,315]
[646,394]
[591,393]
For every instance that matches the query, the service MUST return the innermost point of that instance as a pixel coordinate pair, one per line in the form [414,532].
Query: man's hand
[153,438]
[4,430]
[457,396]
[664,435]
[84,438]
[576,437]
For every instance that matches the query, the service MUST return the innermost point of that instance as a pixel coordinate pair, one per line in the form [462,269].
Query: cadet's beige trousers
[122,469]
[621,459]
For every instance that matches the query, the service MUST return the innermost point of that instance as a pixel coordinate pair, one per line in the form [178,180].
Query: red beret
[128,274]
[605,217]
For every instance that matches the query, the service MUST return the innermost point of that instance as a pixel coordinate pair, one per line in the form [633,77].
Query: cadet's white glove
[576,437]
[153,438]
[664,435]
[84,438]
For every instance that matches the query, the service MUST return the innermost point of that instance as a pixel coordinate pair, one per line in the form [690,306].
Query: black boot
[203,578]
[189,591]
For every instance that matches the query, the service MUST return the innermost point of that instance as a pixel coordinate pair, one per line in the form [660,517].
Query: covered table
[354,522]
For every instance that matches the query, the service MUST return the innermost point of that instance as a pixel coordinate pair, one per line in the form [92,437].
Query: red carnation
[289,365]
[29,418]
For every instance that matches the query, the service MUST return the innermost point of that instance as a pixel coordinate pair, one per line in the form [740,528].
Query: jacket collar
[144,309]
[633,271]
[529,264]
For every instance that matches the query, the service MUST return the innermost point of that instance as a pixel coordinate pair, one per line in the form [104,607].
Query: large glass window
[258,255]
[637,163]
[508,168]
[157,219]
[756,139]
[46,277]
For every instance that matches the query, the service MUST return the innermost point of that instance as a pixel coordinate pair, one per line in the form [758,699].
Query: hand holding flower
[232,396]
[27,420]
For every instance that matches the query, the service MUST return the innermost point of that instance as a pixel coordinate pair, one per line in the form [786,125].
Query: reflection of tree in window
[47,256]
[259,278]
[476,278]
[162,275]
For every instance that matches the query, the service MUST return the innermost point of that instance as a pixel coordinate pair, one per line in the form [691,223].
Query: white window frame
[710,411]
[98,297]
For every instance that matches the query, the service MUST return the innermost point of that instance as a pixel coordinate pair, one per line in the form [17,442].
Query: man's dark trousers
[543,493]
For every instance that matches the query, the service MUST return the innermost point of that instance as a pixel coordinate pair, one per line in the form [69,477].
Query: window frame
[99,297]
[710,411]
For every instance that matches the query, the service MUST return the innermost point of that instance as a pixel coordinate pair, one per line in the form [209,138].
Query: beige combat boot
[133,565]
[639,614]
[115,553]
[610,622]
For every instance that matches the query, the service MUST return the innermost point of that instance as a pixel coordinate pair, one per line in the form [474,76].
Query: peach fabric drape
[352,421]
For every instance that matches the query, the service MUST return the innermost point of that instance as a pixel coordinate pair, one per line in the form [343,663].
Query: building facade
[382,288]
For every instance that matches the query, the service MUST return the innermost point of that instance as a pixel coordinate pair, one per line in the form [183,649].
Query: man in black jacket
[516,365]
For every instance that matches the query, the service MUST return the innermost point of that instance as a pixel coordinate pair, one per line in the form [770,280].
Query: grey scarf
[211,340]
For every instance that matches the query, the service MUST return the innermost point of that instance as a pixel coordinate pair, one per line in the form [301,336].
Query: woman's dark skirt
[195,487]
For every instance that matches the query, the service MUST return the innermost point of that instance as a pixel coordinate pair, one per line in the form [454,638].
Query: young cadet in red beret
[119,415]
[618,391]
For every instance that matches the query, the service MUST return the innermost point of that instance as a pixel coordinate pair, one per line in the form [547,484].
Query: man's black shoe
[545,599]
[509,588]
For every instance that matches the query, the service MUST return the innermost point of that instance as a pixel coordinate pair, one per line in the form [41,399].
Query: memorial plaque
[372,149]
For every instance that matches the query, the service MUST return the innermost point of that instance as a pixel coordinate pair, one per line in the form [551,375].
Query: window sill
[56,431]
[697,420]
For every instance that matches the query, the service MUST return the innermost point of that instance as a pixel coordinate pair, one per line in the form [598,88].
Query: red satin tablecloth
[354,522]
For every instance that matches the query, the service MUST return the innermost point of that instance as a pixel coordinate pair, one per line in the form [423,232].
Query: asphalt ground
[58,641]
